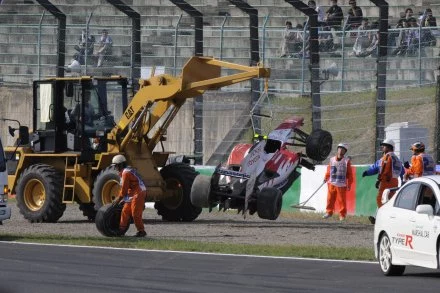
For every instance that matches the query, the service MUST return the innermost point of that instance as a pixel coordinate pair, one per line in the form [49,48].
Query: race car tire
[178,177]
[385,258]
[269,202]
[319,145]
[107,220]
[200,191]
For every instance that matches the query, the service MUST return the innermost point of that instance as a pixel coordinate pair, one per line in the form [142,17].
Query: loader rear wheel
[38,194]
[269,201]
[107,220]
[319,145]
[106,187]
[200,191]
[179,178]
[88,210]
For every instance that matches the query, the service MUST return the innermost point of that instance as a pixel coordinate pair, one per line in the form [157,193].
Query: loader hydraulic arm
[160,97]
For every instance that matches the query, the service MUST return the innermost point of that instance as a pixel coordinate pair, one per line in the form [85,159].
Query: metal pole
[176,31]
[315,84]
[221,36]
[381,73]
[87,35]
[266,18]
[303,60]
[39,44]
[420,54]
[343,56]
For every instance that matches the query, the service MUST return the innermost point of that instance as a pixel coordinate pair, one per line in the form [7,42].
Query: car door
[425,228]
[400,221]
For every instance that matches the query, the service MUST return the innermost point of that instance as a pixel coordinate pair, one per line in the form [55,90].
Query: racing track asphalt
[47,268]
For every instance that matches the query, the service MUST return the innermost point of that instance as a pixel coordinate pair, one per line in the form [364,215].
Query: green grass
[323,252]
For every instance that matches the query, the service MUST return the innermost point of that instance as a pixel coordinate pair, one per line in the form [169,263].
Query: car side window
[408,196]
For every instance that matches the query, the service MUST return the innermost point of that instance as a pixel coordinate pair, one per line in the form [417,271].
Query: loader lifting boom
[68,156]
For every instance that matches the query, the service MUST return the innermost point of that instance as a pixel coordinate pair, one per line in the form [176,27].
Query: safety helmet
[418,147]
[118,159]
[388,142]
[343,145]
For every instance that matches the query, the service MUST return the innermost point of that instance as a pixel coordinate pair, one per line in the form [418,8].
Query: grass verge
[323,252]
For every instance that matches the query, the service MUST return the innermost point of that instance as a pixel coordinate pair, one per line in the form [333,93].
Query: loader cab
[75,114]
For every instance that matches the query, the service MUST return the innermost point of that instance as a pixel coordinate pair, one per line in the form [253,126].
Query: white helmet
[343,145]
[388,142]
[118,159]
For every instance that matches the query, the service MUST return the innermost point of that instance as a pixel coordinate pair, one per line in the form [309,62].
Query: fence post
[39,44]
[420,54]
[221,36]
[176,31]
[303,60]
[437,120]
[343,54]
[266,18]
[87,40]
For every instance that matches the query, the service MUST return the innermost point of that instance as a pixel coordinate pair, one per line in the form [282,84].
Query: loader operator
[133,193]
[390,170]
[422,164]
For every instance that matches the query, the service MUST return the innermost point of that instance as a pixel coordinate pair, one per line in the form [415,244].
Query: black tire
[178,176]
[385,258]
[107,220]
[106,187]
[39,194]
[319,145]
[269,202]
[88,210]
[200,190]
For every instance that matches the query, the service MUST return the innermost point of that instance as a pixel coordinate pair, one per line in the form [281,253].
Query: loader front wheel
[179,179]
[107,220]
[38,194]
[106,187]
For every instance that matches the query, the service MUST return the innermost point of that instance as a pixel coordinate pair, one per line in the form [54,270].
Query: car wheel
[200,191]
[269,202]
[386,257]
[319,145]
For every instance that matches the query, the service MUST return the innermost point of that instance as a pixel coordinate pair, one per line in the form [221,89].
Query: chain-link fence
[348,95]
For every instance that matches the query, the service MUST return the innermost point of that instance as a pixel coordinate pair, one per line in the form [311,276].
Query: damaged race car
[257,175]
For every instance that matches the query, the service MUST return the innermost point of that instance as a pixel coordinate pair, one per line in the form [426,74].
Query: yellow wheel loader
[80,123]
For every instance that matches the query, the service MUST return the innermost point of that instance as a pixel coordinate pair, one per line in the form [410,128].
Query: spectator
[363,39]
[401,39]
[105,47]
[74,65]
[412,37]
[85,46]
[339,177]
[334,17]
[355,16]
[292,40]
[427,38]
[318,9]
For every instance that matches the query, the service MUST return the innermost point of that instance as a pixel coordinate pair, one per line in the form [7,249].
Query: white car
[407,227]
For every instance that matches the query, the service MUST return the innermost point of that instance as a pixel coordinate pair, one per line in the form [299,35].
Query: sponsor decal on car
[403,239]
[420,233]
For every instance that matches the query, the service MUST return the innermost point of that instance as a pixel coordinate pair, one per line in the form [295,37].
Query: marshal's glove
[365,173]
[406,165]
[377,184]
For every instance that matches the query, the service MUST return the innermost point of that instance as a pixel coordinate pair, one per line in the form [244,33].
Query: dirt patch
[223,227]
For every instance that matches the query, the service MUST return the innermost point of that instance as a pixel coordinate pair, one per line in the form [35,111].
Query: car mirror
[425,209]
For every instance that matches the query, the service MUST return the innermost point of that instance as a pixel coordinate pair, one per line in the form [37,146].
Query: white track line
[191,252]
